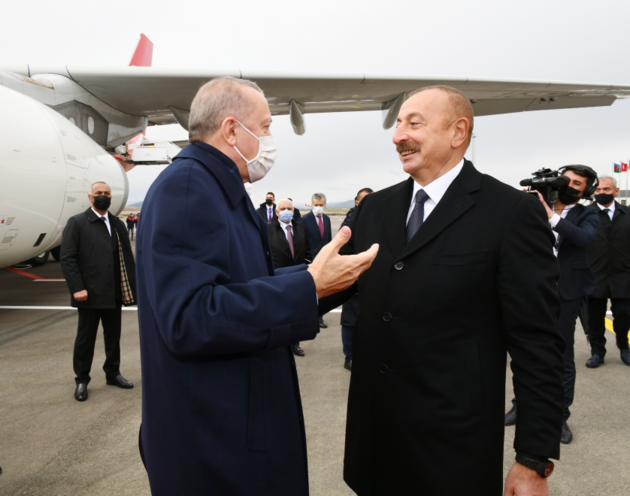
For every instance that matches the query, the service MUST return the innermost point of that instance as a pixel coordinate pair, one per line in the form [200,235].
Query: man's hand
[542,200]
[523,481]
[80,295]
[332,272]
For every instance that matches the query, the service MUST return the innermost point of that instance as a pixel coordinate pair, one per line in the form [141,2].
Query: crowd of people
[440,277]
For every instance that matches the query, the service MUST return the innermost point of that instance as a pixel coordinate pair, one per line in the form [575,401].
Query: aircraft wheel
[56,253]
[40,259]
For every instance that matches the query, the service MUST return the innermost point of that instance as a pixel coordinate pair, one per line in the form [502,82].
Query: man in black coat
[267,210]
[99,268]
[464,274]
[574,226]
[609,256]
[318,230]
[289,245]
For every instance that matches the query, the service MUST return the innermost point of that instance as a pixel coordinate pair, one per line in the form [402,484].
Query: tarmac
[52,445]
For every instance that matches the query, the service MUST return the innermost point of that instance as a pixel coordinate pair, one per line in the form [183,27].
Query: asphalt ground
[52,445]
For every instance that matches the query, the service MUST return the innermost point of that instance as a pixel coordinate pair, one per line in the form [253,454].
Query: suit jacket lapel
[571,217]
[455,202]
[395,208]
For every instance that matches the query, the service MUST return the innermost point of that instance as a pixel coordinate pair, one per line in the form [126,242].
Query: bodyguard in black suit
[267,210]
[99,268]
[465,273]
[609,256]
[289,245]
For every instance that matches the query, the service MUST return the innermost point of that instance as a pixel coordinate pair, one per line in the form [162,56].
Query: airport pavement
[52,445]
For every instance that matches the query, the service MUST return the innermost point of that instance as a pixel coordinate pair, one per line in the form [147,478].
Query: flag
[617,168]
[624,167]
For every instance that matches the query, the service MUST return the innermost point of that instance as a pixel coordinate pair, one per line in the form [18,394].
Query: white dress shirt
[109,228]
[553,222]
[435,190]
[611,209]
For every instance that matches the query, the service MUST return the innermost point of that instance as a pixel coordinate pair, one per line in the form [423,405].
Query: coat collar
[453,204]
[220,165]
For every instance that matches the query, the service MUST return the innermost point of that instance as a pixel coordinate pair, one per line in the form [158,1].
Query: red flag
[624,167]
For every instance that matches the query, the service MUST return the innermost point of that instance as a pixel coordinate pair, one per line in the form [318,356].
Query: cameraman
[574,226]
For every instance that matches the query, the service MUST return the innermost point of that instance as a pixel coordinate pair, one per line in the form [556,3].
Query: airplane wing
[164,95]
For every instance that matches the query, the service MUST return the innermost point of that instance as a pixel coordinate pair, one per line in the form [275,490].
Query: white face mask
[318,210]
[263,162]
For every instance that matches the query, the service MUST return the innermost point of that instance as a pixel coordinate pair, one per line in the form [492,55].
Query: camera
[547,183]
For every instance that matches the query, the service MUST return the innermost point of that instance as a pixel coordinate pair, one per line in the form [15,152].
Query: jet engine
[47,168]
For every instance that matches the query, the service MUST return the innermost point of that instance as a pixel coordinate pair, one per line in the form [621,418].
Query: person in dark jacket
[318,230]
[267,210]
[350,309]
[99,268]
[574,227]
[221,409]
[289,245]
[131,223]
[609,256]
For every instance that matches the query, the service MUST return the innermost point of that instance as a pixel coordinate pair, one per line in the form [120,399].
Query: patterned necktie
[270,217]
[290,240]
[417,216]
[320,223]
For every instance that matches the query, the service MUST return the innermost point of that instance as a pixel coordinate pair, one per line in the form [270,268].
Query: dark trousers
[346,339]
[130,232]
[597,324]
[569,310]
[89,319]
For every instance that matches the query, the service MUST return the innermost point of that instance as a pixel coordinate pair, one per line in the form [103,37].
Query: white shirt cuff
[553,222]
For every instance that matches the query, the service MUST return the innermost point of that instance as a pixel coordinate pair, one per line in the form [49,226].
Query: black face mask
[604,199]
[269,201]
[102,202]
[568,195]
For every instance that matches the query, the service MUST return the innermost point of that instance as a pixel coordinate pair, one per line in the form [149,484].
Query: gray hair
[318,196]
[99,182]
[608,177]
[217,99]
[286,200]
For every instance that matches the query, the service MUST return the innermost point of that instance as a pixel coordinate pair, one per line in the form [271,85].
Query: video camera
[547,183]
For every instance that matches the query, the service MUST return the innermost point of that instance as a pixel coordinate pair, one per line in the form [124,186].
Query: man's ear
[460,132]
[228,130]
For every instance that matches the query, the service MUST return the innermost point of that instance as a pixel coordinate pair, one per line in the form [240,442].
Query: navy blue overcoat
[221,411]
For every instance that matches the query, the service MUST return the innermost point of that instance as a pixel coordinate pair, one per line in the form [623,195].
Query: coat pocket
[256,422]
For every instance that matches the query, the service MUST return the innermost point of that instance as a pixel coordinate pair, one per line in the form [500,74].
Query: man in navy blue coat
[221,409]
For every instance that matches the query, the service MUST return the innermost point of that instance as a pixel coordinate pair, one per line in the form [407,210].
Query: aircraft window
[91,125]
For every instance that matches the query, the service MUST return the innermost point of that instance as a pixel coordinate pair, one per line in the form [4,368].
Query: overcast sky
[562,40]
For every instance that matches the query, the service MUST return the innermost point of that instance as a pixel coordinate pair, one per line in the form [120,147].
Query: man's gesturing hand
[332,272]
[523,481]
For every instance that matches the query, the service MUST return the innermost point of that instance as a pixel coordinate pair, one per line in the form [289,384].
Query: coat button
[384,369]
[387,316]
[399,265]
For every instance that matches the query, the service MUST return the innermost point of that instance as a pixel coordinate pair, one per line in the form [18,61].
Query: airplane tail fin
[143,56]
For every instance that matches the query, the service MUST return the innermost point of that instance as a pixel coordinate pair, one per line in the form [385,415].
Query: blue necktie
[417,216]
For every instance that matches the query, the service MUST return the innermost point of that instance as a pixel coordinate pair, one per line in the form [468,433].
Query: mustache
[407,146]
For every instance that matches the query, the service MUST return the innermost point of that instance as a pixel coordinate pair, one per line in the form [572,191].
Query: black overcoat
[427,392]
[87,259]
[315,241]
[609,254]
[280,246]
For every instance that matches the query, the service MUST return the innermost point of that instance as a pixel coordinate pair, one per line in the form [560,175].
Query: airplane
[60,127]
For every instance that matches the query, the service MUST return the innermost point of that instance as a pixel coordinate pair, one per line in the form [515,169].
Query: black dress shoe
[510,417]
[567,436]
[322,324]
[297,351]
[347,365]
[625,356]
[594,362]
[119,381]
[80,393]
